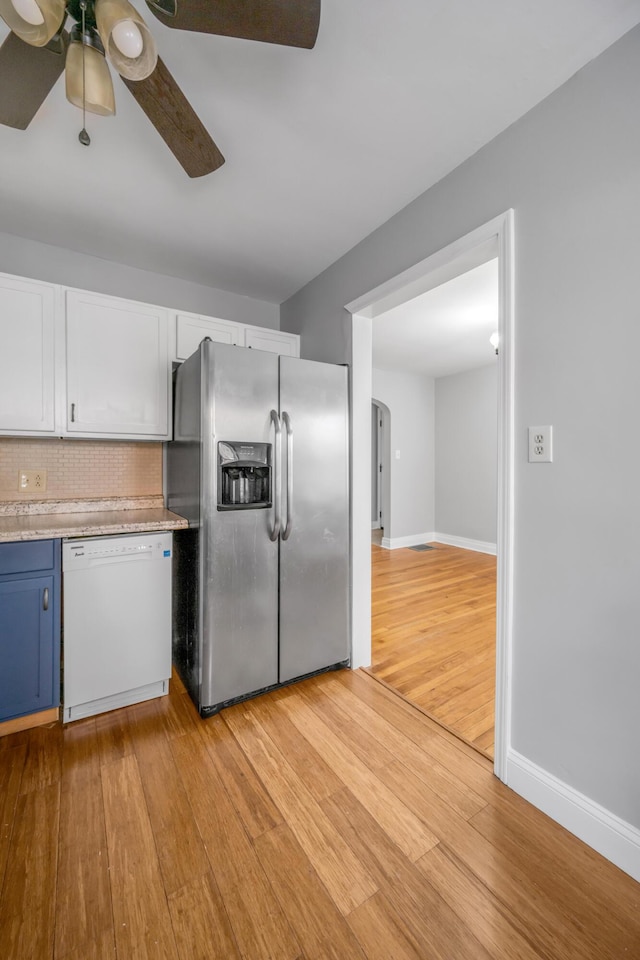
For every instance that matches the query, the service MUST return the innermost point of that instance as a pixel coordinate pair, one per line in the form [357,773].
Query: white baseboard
[375,524]
[416,538]
[614,838]
[411,541]
[480,546]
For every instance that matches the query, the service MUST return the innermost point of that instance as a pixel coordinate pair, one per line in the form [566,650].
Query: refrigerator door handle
[287,423]
[277,483]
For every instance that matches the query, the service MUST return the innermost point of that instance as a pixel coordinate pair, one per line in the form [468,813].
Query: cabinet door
[191,330]
[27,647]
[117,368]
[26,356]
[275,341]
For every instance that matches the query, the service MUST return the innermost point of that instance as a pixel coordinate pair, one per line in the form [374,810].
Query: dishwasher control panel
[89,550]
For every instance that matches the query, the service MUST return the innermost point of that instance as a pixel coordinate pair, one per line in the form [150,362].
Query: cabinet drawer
[27,556]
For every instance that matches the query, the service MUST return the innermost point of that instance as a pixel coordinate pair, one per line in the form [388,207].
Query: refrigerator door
[314,547]
[238,558]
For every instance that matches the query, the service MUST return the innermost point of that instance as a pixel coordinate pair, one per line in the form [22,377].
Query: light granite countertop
[44,519]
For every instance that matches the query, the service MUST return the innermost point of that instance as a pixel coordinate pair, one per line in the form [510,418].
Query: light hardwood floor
[327,820]
[433,634]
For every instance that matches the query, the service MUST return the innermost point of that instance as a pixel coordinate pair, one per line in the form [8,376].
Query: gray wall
[570,169]
[466,454]
[408,484]
[42,261]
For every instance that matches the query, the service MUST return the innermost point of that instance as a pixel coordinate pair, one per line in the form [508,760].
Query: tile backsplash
[81,469]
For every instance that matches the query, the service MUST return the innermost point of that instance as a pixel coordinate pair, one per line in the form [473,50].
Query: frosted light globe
[127,38]
[29,11]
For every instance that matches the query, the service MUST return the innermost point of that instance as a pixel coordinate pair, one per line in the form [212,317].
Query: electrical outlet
[540,444]
[32,481]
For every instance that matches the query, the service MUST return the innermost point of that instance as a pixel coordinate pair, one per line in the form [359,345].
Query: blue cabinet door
[27,646]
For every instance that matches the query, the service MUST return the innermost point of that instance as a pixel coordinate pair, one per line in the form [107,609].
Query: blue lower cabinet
[29,627]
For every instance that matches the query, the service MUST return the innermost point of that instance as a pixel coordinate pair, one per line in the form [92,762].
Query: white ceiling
[322,146]
[445,330]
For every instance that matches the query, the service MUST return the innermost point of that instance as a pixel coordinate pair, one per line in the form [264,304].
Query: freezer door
[314,548]
[238,558]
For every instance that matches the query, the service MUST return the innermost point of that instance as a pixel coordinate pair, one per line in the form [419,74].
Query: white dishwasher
[116,621]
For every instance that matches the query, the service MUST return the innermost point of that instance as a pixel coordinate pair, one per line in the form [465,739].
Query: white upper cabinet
[275,341]
[117,368]
[81,364]
[191,329]
[27,389]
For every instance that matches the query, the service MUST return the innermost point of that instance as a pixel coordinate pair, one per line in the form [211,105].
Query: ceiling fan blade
[27,76]
[293,23]
[176,121]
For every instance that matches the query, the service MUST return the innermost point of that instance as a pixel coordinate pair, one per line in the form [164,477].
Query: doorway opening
[433,625]
[474,248]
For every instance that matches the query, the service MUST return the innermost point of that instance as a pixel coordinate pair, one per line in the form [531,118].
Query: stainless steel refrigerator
[259,467]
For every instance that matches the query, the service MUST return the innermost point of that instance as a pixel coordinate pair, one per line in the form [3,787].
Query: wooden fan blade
[176,121]
[27,76]
[293,23]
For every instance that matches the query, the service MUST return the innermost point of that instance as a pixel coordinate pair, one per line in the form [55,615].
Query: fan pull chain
[83,136]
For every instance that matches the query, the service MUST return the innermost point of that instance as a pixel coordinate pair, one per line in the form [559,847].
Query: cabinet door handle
[73,412]
[45,599]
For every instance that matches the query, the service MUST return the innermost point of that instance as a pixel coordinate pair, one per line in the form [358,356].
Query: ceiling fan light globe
[98,93]
[29,11]
[128,39]
[34,21]
[122,31]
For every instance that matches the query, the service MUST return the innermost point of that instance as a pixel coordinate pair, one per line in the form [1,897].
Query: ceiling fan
[39,48]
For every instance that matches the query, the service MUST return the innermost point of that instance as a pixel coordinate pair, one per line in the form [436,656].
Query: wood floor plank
[259,926]
[342,873]
[394,817]
[103,948]
[11,767]
[248,794]
[317,776]
[113,735]
[28,899]
[84,915]
[181,853]
[475,905]
[43,763]
[141,915]
[508,834]
[381,934]
[83,905]
[200,922]
[362,741]
[383,859]
[320,927]
[80,759]
[178,712]
[426,733]
[424,920]
[512,821]
[550,924]
[458,795]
